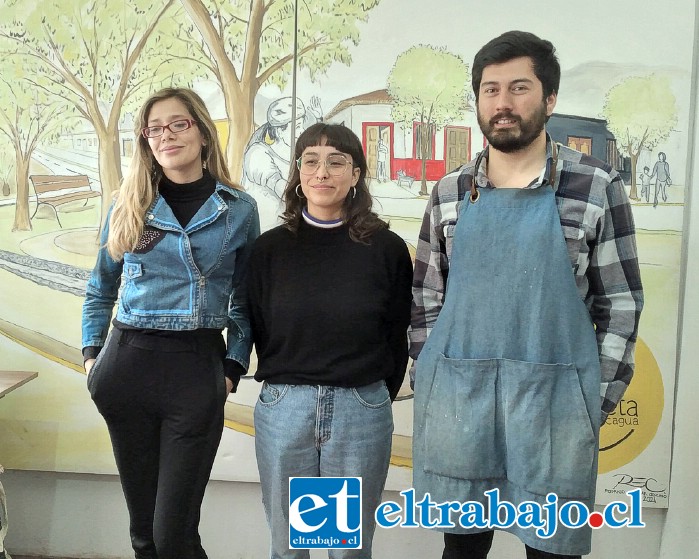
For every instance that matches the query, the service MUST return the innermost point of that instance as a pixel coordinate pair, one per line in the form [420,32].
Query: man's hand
[88,365]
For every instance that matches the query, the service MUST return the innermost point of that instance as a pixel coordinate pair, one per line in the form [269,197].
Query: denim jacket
[180,278]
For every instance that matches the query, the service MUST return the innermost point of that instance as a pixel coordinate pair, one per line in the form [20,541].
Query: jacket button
[151,217]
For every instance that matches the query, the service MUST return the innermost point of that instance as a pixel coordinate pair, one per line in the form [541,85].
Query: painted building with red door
[369,116]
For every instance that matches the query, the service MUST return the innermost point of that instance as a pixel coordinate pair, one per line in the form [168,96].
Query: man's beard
[517,138]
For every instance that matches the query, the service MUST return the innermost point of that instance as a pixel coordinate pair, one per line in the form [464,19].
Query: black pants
[162,398]
[477,546]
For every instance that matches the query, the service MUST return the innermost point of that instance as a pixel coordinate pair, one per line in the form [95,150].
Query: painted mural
[75,71]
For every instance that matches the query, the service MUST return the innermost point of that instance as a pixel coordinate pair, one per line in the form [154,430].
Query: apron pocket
[550,441]
[461,436]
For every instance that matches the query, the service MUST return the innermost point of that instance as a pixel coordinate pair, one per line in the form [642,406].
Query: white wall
[680,537]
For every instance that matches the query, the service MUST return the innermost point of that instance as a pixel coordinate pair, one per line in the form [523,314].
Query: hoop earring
[299,194]
[354,192]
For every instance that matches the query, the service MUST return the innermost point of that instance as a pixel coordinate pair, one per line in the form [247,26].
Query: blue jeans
[321,431]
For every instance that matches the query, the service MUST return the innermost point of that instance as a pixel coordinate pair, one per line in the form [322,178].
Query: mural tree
[99,55]
[27,116]
[429,86]
[251,42]
[641,112]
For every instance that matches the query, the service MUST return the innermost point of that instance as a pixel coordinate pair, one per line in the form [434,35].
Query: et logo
[325,513]
[634,422]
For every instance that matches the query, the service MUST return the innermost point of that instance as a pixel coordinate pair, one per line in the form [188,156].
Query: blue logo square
[325,513]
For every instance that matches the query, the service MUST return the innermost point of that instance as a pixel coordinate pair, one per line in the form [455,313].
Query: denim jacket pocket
[132,270]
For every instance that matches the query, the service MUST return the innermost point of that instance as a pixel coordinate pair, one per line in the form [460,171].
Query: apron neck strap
[553,171]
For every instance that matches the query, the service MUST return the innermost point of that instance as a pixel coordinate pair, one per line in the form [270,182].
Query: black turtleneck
[186,199]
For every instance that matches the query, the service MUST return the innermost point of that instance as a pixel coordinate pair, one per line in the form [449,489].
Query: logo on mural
[651,489]
[631,427]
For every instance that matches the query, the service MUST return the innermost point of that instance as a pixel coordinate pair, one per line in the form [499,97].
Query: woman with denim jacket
[176,241]
[330,295]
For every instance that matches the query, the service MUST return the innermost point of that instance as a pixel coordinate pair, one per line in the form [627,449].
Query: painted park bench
[56,190]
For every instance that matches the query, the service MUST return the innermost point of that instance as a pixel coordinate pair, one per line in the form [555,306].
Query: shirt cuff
[90,352]
[233,371]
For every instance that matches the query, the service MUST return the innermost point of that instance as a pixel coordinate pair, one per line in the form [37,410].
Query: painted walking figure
[381,159]
[661,172]
[645,183]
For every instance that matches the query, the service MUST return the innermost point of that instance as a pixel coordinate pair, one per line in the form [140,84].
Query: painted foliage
[75,71]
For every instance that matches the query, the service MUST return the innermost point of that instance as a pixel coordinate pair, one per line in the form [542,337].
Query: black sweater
[329,311]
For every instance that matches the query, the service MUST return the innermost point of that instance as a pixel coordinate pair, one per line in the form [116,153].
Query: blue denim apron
[507,387]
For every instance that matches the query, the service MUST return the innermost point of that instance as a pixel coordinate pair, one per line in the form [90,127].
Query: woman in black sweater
[330,295]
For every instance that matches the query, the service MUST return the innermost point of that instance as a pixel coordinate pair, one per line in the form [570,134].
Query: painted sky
[599,31]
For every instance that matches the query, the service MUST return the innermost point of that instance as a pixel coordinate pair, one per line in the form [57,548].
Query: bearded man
[527,295]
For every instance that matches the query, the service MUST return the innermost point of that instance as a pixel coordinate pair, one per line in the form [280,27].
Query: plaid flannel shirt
[598,227]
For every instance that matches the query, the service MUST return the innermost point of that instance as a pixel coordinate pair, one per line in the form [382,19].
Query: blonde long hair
[139,187]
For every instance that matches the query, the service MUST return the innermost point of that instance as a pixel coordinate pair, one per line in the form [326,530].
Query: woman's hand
[229,386]
[88,365]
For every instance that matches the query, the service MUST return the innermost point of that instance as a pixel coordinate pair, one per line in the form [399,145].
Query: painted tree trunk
[633,191]
[109,168]
[424,144]
[22,221]
[239,108]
